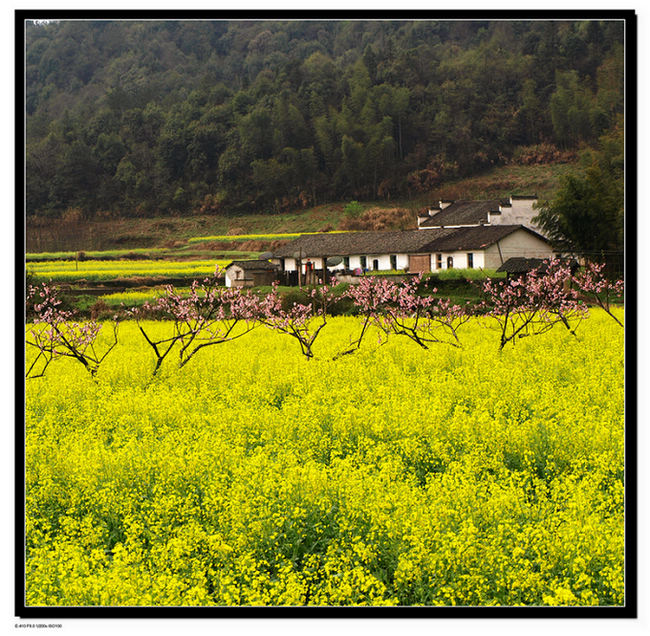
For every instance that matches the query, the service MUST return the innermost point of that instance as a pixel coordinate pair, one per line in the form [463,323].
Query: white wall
[316,263]
[402,261]
[519,243]
[521,213]
[355,262]
[384,261]
[289,264]
[233,273]
[460,260]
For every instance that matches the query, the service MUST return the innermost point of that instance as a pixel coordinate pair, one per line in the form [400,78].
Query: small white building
[413,250]
[251,273]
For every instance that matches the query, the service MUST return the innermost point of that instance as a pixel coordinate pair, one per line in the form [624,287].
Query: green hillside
[150,119]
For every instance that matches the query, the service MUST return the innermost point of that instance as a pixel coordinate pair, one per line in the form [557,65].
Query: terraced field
[104,270]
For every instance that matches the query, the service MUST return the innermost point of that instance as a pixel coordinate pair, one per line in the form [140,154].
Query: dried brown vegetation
[376,219]
[543,153]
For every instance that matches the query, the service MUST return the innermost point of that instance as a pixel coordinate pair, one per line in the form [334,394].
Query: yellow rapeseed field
[67,271]
[395,476]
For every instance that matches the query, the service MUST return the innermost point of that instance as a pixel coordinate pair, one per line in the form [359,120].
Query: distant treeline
[188,117]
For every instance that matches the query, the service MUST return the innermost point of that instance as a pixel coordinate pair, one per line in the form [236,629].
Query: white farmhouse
[482,246]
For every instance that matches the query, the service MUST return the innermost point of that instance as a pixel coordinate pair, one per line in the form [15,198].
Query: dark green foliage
[587,215]
[149,118]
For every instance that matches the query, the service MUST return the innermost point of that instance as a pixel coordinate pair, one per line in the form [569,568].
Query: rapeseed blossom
[397,476]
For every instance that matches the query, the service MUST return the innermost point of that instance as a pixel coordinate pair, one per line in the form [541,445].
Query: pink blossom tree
[593,284]
[399,309]
[370,296]
[533,303]
[55,334]
[424,319]
[304,322]
[208,316]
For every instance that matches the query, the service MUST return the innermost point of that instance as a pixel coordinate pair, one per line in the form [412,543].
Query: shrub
[353,209]
[100,310]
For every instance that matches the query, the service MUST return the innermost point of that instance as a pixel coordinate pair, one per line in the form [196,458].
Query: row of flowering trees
[210,315]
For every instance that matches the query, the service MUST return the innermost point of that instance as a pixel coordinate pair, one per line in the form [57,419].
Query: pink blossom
[535,302]
[208,315]
[55,334]
[399,308]
[595,286]
[302,322]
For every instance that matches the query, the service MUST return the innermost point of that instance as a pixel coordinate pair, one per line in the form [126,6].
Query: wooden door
[419,263]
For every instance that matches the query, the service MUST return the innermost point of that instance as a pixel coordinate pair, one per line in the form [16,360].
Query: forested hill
[150,118]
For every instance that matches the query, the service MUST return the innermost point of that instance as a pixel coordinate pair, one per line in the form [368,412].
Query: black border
[629,610]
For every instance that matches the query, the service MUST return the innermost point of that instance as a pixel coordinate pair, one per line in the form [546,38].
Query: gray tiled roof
[519,265]
[474,238]
[405,242]
[350,243]
[253,265]
[464,213]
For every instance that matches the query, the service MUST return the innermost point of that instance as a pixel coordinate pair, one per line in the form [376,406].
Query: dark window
[346,262]
[363,261]
[470,260]
[375,264]
[450,262]
[438,261]
[393,261]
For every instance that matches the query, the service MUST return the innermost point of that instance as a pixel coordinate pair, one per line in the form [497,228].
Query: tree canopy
[587,215]
[160,117]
